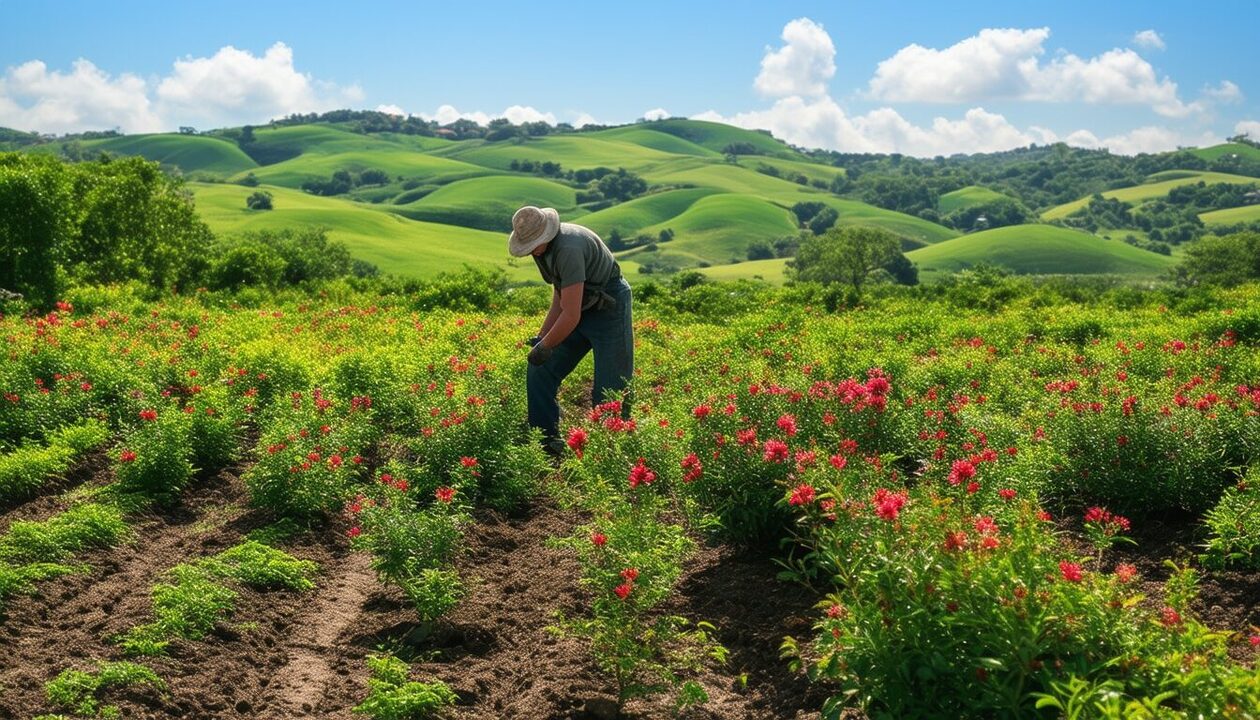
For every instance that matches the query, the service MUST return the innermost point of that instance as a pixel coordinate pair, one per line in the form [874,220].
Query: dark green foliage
[823,221]
[622,185]
[846,255]
[1222,260]
[106,221]
[260,200]
[274,257]
[995,214]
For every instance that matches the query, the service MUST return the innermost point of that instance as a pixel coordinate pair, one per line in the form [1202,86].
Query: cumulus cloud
[1250,128]
[231,87]
[236,85]
[804,64]
[1150,139]
[33,98]
[392,110]
[1148,39]
[1226,92]
[656,114]
[517,114]
[1006,64]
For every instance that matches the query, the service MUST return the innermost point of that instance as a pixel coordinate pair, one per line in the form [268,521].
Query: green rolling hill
[487,203]
[1158,186]
[967,197]
[1232,216]
[394,243]
[1038,249]
[190,153]
[1217,151]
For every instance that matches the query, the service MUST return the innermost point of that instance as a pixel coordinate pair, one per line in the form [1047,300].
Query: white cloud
[1251,128]
[1006,64]
[391,110]
[656,114]
[586,119]
[231,87]
[1226,92]
[1150,139]
[235,86]
[34,99]
[1148,39]
[523,113]
[804,64]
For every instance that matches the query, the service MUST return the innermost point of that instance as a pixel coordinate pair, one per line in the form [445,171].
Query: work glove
[534,340]
[539,354]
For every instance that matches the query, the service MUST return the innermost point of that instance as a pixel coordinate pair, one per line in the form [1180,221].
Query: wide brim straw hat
[531,227]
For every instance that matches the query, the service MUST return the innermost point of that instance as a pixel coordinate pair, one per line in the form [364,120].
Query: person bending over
[590,312]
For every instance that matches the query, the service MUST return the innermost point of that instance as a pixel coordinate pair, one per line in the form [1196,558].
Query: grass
[656,140]
[790,168]
[1231,216]
[1162,183]
[1216,151]
[191,153]
[394,243]
[488,203]
[718,228]
[632,217]
[1039,249]
[717,136]
[573,152]
[771,270]
[967,197]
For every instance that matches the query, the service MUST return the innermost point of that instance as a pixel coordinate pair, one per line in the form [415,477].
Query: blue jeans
[610,334]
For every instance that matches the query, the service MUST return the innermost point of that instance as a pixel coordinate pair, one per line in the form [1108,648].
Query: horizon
[927,82]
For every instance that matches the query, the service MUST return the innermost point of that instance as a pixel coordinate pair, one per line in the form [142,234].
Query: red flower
[444,494]
[888,504]
[334,461]
[1006,494]
[126,456]
[1125,572]
[622,590]
[775,451]
[468,461]
[1169,617]
[701,411]
[577,440]
[1070,571]
[691,464]
[787,424]
[961,470]
[985,525]
[838,461]
[148,414]
[835,611]
[354,532]
[640,474]
[1254,640]
[803,495]
[955,540]
[630,574]
[599,539]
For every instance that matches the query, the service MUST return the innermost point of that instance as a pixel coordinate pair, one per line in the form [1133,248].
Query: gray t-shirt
[576,254]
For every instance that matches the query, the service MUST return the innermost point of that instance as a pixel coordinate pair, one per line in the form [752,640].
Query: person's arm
[570,312]
[552,313]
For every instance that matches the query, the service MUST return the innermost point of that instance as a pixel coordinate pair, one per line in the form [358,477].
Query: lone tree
[851,255]
[260,200]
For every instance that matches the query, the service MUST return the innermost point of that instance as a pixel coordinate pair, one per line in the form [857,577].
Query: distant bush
[260,200]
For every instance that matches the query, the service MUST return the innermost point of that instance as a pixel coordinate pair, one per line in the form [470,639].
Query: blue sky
[917,77]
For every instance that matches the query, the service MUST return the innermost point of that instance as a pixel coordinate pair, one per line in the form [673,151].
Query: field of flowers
[329,506]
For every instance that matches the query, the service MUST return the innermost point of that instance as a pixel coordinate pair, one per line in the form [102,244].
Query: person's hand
[534,340]
[539,354]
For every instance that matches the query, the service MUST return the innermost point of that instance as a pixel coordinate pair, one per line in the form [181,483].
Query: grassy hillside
[1216,151]
[191,153]
[718,228]
[487,203]
[1162,183]
[573,152]
[716,136]
[1039,249]
[645,136]
[1232,216]
[967,197]
[630,218]
[772,271]
[394,243]
[789,169]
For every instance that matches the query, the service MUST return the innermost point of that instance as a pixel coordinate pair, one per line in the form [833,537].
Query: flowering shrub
[413,541]
[310,455]
[1234,525]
